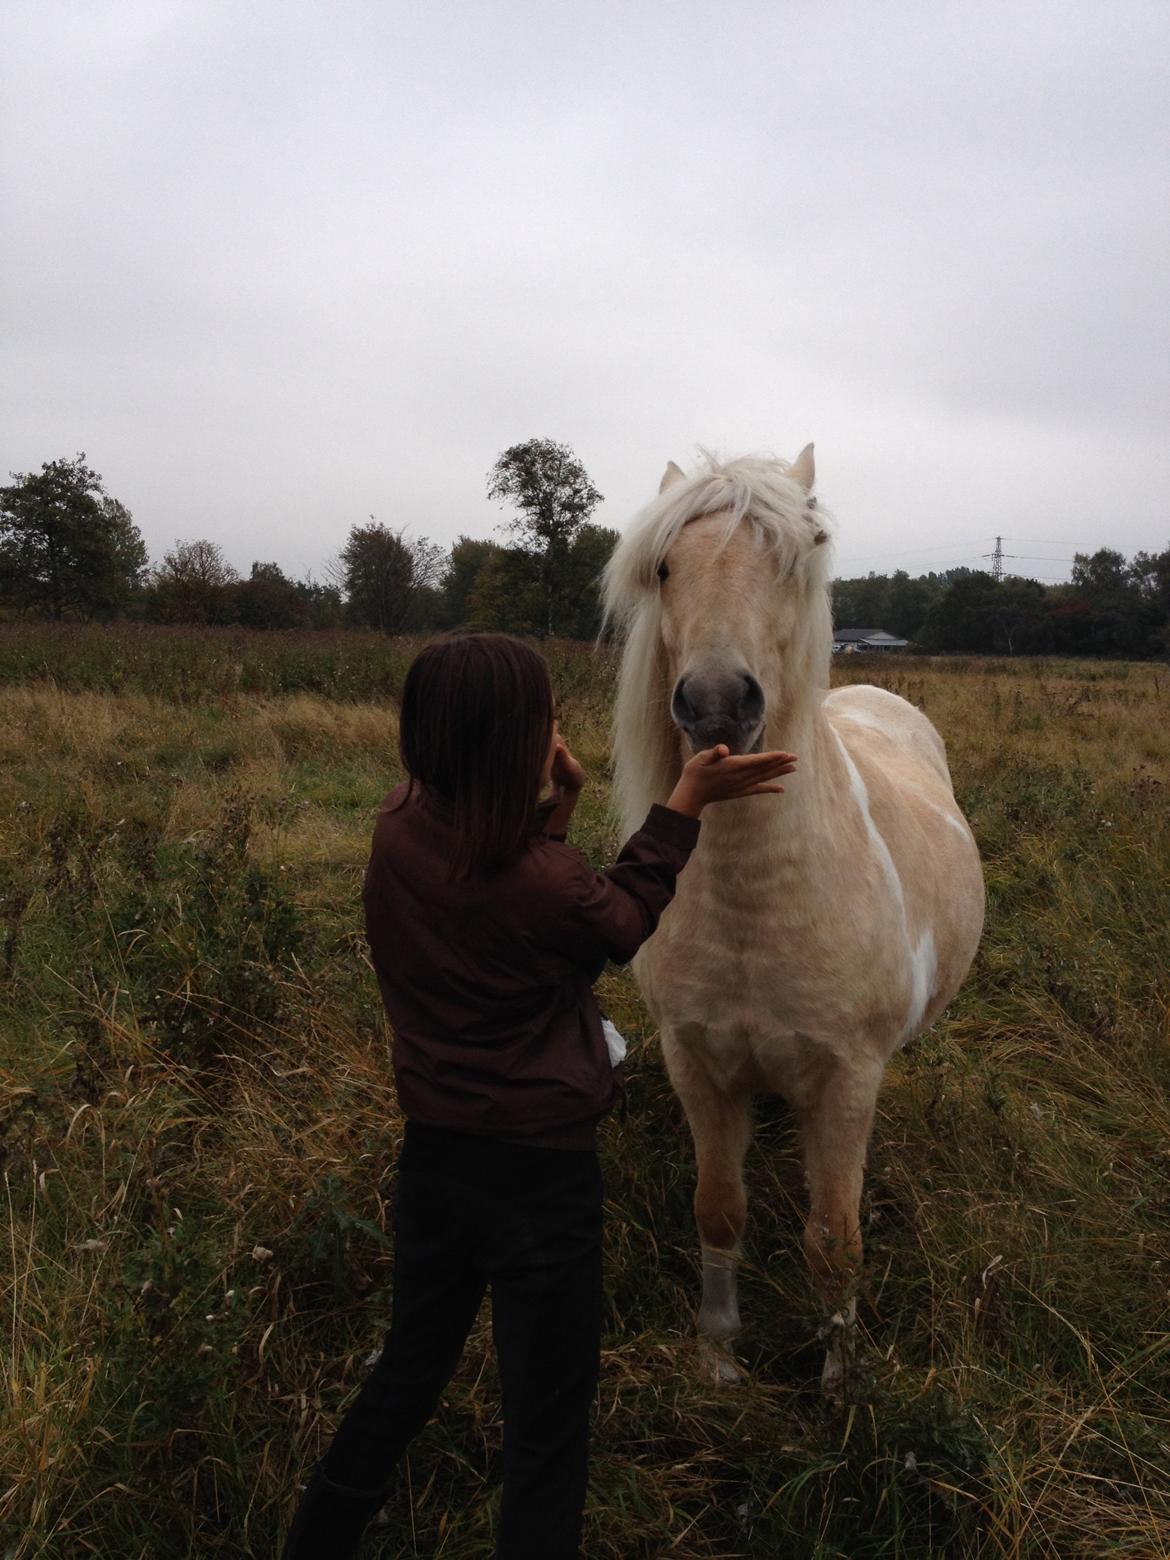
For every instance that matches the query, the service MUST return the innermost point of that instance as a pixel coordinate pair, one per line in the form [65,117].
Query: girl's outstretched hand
[718,775]
[566,771]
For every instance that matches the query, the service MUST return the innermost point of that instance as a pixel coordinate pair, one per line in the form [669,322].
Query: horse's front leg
[835,1126]
[721,1126]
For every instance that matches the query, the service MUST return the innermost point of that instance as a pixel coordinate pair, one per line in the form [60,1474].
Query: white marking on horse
[956,823]
[923,969]
[921,957]
[862,718]
[881,849]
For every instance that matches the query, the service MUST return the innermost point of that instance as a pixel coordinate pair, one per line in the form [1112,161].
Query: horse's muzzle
[718,707]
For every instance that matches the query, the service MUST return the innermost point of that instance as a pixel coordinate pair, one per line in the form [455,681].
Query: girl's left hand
[566,771]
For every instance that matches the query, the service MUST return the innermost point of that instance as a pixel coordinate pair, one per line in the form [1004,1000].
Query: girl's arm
[569,779]
[610,914]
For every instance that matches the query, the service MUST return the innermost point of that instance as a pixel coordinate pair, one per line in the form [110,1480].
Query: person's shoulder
[396,818]
[553,873]
[394,799]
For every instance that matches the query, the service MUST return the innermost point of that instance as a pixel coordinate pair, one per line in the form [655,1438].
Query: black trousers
[472,1213]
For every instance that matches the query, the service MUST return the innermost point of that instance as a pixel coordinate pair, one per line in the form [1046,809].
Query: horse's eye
[663,571]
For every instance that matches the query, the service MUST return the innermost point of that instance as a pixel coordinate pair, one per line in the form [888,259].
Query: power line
[976,541]
[908,552]
[1040,541]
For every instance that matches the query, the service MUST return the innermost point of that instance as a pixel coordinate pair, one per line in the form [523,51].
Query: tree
[962,618]
[468,557]
[906,605]
[385,576]
[1150,572]
[323,603]
[66,546]
[554,497]
[1122,623]
[861,602]
[269,599]
[1101,575]
[588,556]
[193,584]
[508,595]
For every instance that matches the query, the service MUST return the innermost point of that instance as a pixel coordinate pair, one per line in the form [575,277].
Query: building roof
[866,636]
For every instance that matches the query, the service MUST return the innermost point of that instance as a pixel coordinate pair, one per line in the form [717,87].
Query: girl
[487,932]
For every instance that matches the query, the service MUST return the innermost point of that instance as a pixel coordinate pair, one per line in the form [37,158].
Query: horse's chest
[741,943]
[756,965]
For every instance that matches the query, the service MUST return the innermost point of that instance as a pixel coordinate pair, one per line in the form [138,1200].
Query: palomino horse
[812,933]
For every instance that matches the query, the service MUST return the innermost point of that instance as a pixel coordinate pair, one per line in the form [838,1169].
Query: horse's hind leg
[836,1124]
[721,1126]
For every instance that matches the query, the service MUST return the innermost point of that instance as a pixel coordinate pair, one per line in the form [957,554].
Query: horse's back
[877,709]
[900,767]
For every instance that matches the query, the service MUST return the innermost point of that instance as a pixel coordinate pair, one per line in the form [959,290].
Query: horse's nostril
[751,700]
[680,706]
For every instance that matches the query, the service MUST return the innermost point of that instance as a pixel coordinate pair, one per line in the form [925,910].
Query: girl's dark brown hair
[475,727]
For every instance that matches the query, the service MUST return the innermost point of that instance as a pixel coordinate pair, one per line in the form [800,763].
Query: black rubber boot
[330,1520]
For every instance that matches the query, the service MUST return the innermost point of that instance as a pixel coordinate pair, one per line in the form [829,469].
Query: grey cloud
[277,267]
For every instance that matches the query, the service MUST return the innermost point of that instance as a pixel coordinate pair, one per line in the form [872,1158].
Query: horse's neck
[796,826]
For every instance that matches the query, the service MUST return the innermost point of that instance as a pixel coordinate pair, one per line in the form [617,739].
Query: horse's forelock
[763,491]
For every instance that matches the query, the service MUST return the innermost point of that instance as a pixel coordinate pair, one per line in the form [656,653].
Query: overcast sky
[276,267]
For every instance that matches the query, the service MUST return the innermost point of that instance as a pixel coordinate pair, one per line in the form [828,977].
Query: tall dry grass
[198,1129]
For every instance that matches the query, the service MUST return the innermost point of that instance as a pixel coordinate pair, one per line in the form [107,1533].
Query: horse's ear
[803,470]
[670,476]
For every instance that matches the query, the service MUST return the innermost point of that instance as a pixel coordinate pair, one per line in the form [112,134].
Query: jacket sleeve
[610,914]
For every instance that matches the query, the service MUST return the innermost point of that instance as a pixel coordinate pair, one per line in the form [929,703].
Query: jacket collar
[439,807]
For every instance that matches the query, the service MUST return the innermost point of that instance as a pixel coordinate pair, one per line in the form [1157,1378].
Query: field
[198,1128]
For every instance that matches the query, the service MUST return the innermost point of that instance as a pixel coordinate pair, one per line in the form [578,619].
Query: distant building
[851,640]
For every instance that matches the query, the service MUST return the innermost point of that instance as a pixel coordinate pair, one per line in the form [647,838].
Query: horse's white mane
[761,491]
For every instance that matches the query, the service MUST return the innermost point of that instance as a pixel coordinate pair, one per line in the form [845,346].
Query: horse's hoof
[839,1332]
[833,1376]
[718,1365]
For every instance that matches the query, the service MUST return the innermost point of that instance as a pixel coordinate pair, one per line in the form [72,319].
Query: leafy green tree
[906,605]
[66,547]
[468,557]
[1122,622]
[961,618]
[1101,575]
[427,611]
[860,603]
[269,599]
[508,594]
[588,555]
[323,603]
[980,615]
[553,497]
[1150,573]
[193,584]
[1018,617]
[385,575]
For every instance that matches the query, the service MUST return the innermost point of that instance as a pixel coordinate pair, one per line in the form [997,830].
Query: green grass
[198,1131]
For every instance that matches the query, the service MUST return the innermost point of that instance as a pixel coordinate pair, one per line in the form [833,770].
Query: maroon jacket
[487,982]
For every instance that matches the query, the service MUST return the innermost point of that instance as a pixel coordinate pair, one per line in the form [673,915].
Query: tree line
[69,550]
[1112,607]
